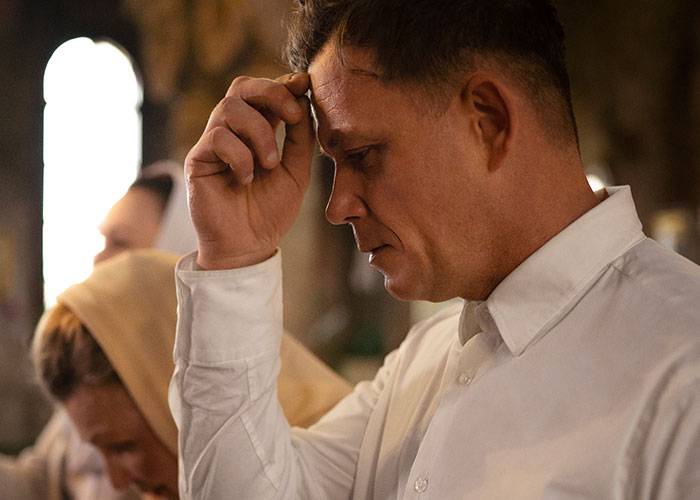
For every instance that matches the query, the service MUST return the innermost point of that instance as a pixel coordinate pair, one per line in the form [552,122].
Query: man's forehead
[336,82]
[334,67]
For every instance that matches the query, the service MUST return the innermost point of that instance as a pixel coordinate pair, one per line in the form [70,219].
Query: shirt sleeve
[664,459]
[234,441]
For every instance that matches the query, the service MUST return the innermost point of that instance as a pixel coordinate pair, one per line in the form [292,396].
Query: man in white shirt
[573,368]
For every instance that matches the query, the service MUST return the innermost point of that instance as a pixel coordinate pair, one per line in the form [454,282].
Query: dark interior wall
[635,71]
[636,86]
[29,33]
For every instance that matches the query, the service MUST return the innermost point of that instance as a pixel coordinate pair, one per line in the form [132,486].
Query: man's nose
[346,202]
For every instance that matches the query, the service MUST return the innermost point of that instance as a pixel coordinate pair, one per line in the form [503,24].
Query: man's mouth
[364,247]
[373,252]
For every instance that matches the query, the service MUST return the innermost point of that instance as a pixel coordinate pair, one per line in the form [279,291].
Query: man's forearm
[234,439]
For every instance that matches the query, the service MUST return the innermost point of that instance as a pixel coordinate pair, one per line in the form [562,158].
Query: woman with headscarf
[105,353]
[152,213]
[60,466]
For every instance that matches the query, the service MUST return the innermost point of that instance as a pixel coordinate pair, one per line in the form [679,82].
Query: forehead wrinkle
[315,98]
[335,83]
[324,83]
[364,73]
[316,101]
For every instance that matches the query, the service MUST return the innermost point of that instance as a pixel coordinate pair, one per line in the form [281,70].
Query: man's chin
[399,289]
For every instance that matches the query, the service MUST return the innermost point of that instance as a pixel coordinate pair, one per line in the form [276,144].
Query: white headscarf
[177,233]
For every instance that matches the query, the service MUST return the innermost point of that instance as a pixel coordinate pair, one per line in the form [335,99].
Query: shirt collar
[536,294]
[475,318]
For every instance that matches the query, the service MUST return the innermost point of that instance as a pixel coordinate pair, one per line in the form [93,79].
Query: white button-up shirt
[578,378]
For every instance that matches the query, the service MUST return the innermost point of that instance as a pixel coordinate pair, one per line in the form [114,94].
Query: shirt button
[464,379]
[421,484]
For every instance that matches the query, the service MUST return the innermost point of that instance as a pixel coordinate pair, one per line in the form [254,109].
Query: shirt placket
[462,374]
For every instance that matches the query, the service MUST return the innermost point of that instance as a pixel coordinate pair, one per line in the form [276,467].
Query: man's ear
[490,106]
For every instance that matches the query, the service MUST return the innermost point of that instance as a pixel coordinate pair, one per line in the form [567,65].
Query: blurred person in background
[151,214]
[110,371]
[104,352]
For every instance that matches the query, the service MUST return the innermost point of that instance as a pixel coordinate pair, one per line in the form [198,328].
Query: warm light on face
[92,150]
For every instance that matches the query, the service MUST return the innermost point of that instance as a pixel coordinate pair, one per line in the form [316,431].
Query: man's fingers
[241,130]
[268,96]
[249,125]
[299,143]
[253,129]
[297,83]
[217,150]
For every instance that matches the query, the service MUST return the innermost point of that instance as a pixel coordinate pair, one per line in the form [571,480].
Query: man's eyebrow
[335,137]
[340,138]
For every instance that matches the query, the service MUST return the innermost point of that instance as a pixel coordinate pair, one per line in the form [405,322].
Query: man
[573,368]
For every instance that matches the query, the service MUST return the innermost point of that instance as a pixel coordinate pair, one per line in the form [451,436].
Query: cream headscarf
[129,306]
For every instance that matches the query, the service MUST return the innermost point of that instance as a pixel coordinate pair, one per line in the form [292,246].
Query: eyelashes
[357,156]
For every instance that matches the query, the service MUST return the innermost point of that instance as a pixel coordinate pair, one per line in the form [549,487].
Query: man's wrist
[222,262]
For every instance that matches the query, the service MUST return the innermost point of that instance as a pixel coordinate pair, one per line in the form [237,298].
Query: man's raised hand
[243,197]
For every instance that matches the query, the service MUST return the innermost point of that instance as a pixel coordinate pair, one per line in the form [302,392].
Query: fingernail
[248,179]
[292,108]
[272,159]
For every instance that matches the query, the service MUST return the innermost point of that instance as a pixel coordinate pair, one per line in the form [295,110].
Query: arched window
[92,152]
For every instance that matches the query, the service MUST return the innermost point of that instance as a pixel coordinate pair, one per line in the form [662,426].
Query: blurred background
[91,90]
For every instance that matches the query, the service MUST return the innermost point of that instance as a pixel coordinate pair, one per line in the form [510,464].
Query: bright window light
[92,151]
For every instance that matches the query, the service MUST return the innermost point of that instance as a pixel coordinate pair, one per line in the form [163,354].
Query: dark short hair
[66,356]
[160,185]
[433,42]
